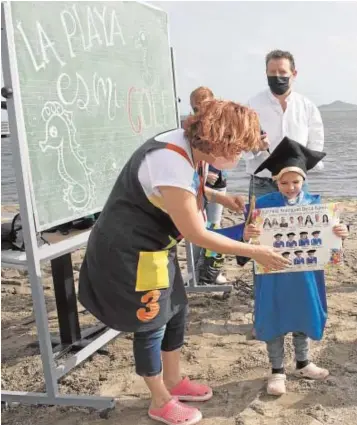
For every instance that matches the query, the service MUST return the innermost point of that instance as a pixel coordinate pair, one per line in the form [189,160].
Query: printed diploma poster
[303,234]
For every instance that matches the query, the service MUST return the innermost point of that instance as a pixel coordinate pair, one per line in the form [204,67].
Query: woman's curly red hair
[199,95]
[223,128]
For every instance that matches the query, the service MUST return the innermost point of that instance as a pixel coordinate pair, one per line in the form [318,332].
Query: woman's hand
[341,231]
[251,231]
[212,178]
[267,257]
[232,202]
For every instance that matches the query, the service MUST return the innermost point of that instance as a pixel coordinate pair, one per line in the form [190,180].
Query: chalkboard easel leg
[70,336]
[66,301]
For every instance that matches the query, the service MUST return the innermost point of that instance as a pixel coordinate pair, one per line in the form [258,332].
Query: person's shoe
[221,279]
[311,371]
[276,384]
[210,270]
[176,413]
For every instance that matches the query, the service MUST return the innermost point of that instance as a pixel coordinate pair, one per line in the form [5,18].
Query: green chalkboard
[96,81]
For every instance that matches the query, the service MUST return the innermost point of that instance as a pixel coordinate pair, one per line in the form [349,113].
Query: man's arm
[316,132]
[316,129]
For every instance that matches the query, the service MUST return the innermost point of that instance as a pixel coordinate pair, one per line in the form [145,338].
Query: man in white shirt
[282,112]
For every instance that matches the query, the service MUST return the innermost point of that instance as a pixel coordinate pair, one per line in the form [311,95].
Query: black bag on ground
[12,236]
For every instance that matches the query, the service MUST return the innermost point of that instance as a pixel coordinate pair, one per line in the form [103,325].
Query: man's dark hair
[280,54]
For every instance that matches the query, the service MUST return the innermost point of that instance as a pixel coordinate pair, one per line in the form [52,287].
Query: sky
[222,45]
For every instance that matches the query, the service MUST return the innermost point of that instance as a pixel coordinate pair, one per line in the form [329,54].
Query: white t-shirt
[163,167]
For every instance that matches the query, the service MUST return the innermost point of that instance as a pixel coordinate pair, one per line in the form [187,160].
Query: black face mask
[278,85]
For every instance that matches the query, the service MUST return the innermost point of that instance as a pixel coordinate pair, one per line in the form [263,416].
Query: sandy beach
[217,351]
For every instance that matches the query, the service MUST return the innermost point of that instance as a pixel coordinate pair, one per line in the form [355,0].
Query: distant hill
[338,106]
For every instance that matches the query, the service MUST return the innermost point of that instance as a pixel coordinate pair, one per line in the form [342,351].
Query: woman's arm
[181,205]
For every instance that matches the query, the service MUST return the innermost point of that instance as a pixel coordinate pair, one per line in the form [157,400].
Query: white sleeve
[316,132]
[163,167]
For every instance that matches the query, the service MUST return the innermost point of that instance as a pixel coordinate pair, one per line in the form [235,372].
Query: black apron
[130,277]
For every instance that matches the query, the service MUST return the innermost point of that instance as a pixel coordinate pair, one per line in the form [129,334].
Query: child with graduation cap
[291,243]
[304,241]
[299,259]
[278,243]
[316,240]
[290,302]
[311,258]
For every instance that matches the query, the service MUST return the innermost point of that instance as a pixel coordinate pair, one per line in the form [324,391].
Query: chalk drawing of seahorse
[71,163]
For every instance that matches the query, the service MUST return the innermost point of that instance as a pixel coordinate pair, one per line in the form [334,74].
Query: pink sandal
[176,413]
[187,390]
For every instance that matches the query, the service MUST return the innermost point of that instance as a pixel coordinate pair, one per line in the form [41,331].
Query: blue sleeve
[235,233]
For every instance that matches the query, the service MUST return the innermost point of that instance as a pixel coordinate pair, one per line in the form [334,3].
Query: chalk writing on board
[103,89]
[60,135]
[48,47]
[100,74]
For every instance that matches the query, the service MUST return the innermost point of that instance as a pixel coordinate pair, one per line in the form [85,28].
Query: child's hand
[251,231]
[340,230]
[212,178]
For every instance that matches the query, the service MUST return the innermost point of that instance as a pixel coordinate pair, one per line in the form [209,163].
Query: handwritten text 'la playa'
[89,34]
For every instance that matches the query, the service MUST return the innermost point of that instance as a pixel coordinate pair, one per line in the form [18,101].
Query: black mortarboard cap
[311,251]
[278,234]
[315,232]
[290,234]
[286,253]
[304,233]
[299,251]
[290,154]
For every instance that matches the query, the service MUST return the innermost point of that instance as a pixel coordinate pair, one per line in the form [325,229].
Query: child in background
[281,298]
[211,263]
